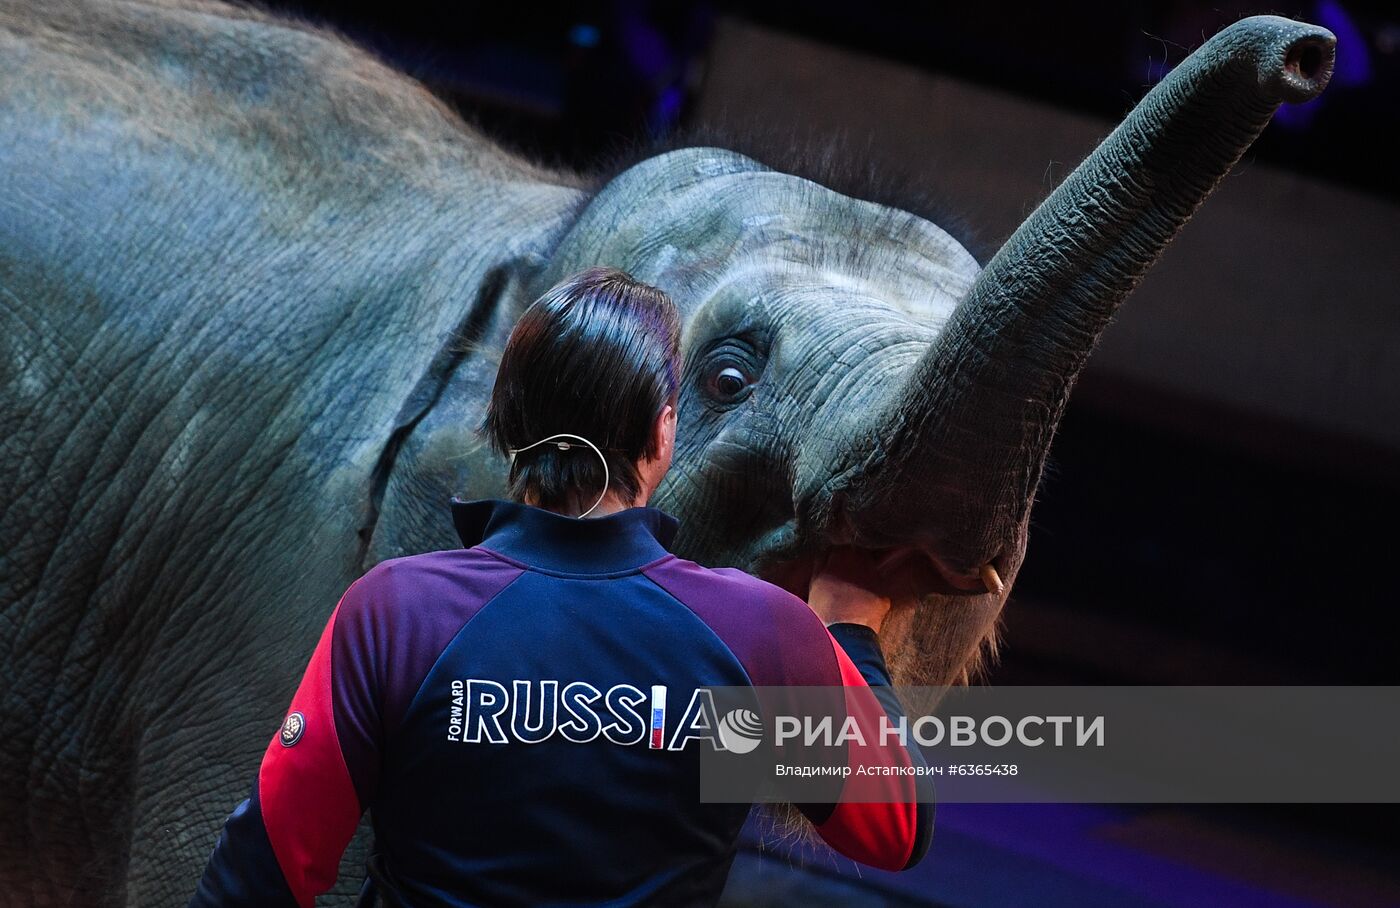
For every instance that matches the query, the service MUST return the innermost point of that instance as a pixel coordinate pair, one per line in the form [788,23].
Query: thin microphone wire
[564,446]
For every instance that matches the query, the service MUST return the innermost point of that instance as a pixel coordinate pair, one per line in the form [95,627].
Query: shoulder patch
[292,728]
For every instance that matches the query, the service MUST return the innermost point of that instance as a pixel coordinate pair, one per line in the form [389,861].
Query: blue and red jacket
[493,707]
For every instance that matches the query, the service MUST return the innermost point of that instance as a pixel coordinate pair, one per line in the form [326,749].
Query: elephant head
[853,378]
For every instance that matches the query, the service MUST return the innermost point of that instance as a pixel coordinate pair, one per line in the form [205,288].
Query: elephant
[241,258]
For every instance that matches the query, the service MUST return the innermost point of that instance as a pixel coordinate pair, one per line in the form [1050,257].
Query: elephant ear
[436,450]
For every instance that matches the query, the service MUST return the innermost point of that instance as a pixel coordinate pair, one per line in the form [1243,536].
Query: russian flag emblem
[658,716]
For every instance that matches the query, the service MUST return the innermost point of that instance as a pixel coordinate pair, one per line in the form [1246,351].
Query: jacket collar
[621,541]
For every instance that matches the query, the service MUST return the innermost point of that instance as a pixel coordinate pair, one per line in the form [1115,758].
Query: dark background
[1180,537]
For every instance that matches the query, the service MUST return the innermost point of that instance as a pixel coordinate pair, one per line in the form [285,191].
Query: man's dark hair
[597,355]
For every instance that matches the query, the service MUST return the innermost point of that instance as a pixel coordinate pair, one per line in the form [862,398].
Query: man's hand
[846,588]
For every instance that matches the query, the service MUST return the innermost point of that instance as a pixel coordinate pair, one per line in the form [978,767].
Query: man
[516,714]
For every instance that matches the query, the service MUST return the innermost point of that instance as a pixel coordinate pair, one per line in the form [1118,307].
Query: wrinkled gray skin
[251,287]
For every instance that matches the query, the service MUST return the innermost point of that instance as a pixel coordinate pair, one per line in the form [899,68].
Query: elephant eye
[729,384]
[726,370]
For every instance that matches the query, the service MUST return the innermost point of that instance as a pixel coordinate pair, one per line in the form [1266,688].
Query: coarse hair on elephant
[250,282]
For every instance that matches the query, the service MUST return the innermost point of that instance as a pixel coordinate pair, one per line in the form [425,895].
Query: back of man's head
[598,356]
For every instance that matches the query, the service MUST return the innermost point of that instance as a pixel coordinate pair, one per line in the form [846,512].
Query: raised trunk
[953,464]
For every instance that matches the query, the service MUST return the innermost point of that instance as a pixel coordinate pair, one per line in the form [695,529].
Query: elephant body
[219,323]
[251,282]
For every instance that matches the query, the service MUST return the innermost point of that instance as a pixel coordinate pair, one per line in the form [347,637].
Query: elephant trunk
[952,466]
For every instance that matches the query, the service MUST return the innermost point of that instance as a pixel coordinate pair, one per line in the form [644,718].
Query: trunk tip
[1308,62]
[1308,59]
[1293,59]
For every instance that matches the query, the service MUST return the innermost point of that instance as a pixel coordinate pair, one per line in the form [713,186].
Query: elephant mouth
[936,575]
[905,573]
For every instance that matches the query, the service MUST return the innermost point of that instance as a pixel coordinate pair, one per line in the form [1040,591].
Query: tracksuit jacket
[495,709]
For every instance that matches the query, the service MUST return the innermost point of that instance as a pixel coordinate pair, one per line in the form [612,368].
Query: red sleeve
[309,801]
[876,820]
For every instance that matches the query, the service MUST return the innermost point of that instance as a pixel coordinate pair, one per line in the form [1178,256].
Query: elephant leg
[186,786]
[65,798]
[189,780]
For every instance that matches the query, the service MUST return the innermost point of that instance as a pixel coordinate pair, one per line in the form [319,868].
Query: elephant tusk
[991,579]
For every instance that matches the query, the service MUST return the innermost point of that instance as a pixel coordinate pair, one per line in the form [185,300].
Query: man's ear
[663,431]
